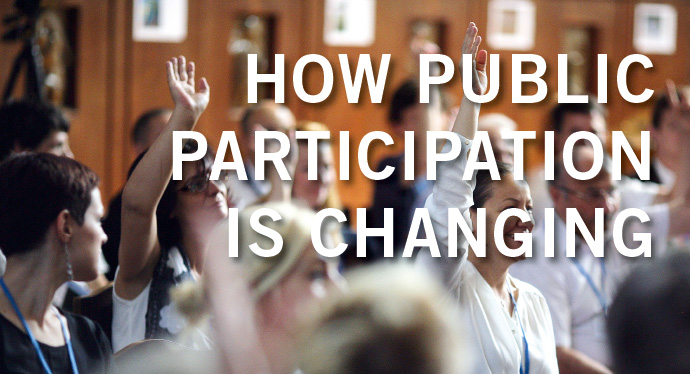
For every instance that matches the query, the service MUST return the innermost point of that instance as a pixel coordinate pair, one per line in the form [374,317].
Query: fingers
[475,46]
[182,68]
[203,86]
[470,36]
[481,60]
[175,68]
[684,97]
[190,73]
[672,93]
[170,71]
[467,39]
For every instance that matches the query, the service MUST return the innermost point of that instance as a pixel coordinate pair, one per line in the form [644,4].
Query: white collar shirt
[578,316]
[496,334]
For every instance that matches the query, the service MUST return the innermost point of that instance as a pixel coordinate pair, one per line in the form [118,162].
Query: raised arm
[679,206]
[468,116]
[139,246]
[237,336]
[450,190]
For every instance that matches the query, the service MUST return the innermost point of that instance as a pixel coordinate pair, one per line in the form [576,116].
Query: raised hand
[187,99]
[679,108]
[471,46]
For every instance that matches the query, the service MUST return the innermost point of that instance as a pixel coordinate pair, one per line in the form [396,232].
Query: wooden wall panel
[392,36]
[119,79]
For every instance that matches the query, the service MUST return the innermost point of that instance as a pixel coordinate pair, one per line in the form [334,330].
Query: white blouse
[496,335]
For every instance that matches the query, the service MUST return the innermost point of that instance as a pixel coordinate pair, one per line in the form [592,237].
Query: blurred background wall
[113,79]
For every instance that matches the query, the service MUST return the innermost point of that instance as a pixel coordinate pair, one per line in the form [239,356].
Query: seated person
[358,332]
[510,321]
[581,288]
[406,113]
[27,126]
[166,224]
[648,322]
[257,303]
[262,116]
[50,232]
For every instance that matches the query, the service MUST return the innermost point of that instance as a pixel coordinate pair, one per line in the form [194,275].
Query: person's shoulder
[393,160]
[526,288]
[81,322]
[540,271]
[628,184]
[86,329]
[529,292]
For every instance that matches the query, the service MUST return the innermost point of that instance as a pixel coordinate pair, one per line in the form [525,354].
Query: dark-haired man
[567,119]
[27,126]
[580,289]
[406,113]
[667,142]
[147,128]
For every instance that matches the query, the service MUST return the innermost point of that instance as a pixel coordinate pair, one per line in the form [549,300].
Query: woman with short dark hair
[50,232]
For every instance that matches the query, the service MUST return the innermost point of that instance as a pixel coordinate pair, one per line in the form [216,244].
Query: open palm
[182,87]
[471,46]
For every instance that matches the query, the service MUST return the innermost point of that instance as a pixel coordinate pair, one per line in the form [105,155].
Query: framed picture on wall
[426,36]
[250,34]
[349,22]
[655,28]
[511,24]
[162,21]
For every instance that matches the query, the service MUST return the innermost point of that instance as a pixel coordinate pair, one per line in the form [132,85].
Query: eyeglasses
[200,182]
[592,194]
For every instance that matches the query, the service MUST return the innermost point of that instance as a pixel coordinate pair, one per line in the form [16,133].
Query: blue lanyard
[524,338]
[68,341]
[599,293]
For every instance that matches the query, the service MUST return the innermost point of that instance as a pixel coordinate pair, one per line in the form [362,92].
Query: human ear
[65,226]
[473,218]
[555,194]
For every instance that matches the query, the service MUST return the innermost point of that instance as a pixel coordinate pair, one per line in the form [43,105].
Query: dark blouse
[172,269]
[91,349]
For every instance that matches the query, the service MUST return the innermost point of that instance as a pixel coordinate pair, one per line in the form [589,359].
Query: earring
[68,263]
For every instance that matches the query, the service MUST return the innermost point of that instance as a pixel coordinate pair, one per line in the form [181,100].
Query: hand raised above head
[183,90]
[471,46]
[679,108]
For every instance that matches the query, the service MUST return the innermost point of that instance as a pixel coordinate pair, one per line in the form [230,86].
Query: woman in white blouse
[509,320]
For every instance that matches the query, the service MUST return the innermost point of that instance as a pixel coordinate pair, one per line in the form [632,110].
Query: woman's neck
[495,273]
[32,279]
[196,237]
[279,350]
[195,245]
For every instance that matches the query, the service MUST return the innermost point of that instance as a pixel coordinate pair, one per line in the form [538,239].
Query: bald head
[267,115]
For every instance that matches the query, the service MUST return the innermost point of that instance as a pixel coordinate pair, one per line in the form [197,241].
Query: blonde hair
[392,320]
[264,273]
